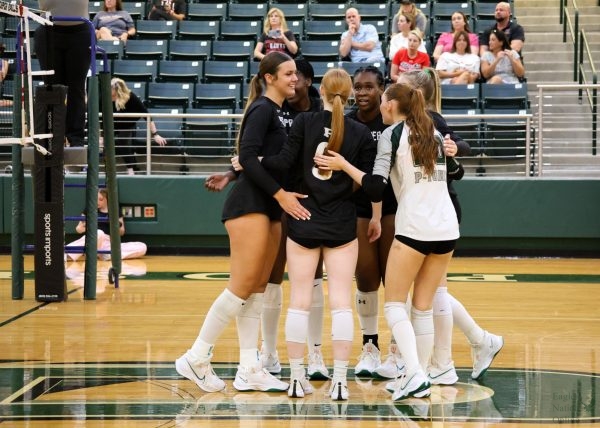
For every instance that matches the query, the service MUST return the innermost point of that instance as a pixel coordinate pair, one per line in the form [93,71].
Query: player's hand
[216,182]
[374,230]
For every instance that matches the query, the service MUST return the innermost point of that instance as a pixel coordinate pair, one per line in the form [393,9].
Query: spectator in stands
[407,7]
[113,23]
[410,58]
[445,42]
[361,41]
[400,40]
[5,69]
[65,48]
[168,10]
[514,32]
[501,64]
[460,65]
[276,36]
[125,101]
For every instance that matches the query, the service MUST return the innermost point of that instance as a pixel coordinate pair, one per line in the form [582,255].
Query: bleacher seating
[202,30]
[506,96]
[292,11]
[207,11]
[141,70]
[249,11]
[164,30]
[180,71]
[460,97]
[218,95]
[241,30]
[232,50]
[225,71]
[146,49]
[169,94]
[190,49]
[113,48]
[206,60]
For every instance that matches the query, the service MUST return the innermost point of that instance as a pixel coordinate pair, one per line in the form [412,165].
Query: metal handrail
[565,20]
[551,87]
[593,94]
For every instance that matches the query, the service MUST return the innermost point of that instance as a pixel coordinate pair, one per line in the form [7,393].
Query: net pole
[91,230]
[111,171]
[18,202]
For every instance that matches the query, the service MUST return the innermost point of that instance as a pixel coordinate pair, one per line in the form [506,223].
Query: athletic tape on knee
[296,326]
[395,312]
[441,302]
[367,304]
[422,321]
[273,296]
[342,325]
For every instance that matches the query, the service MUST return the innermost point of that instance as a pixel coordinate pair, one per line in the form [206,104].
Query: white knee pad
[441,302]
[367,304]
[342,325]
[395,312]
[296,326]
[422,321]
[273,296]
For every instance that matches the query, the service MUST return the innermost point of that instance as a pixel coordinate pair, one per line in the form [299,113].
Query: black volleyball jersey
[263,134]
[333,212]
[362,201]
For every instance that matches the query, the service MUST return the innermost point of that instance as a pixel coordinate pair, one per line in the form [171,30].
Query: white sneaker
[369,360]
[270,362]
[339,390]
[415,385]
[299,387]
[483,354]
[393,366]
[316,369]
[442,375]
[257,379]
[202,374]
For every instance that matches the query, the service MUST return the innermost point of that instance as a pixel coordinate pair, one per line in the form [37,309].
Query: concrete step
[541,55]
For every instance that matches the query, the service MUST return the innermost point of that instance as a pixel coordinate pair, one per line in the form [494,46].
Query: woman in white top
[410,153]
[501,64]
[459,66]
[400,40]
[445,41]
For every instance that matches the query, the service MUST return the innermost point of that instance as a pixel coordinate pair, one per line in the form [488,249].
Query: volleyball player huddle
[400,228]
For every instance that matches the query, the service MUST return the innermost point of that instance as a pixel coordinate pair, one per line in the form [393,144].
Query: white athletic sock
[225,307]
[465,322]
[367,305]
[404,334]
[249,357]
[270,317]
[423,325]
[315,319]
[296,368]
[442,325]
[340,370]
[248,326]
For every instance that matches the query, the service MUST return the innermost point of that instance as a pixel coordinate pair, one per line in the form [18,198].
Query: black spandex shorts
[428,247]
[312,243]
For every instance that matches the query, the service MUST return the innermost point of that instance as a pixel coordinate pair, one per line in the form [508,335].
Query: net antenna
[24,60]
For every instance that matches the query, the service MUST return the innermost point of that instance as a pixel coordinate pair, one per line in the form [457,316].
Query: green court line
[454,277]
